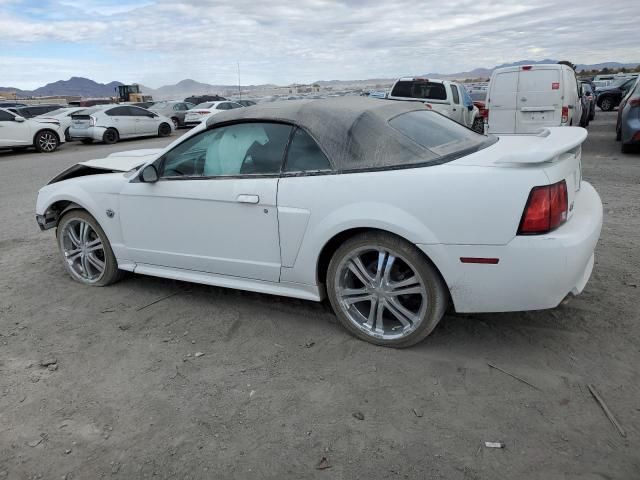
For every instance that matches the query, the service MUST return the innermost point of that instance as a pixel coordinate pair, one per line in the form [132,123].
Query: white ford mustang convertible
[390,210]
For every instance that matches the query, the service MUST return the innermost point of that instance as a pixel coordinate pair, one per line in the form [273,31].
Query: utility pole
[239,90]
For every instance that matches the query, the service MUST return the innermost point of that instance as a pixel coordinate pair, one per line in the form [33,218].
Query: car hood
[116,162]
[123,161]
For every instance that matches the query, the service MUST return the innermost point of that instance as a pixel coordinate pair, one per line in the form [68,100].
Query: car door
[13,133]
[146,122]
[119,118]
[503,92]
[456,107]
[214,208]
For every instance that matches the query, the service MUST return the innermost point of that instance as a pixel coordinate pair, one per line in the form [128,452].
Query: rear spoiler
[546,146]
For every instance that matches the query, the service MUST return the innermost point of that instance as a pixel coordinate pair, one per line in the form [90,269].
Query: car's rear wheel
[46,141]
[385,291]
[110,136]
[164,130]
[85,250]
[606,104]
[87,141]
[626,148]
[176,122]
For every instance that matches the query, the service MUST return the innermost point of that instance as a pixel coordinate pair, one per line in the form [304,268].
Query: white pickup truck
[448,98]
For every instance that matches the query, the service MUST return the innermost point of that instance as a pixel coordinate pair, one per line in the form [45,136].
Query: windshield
[438,133]
[158,105]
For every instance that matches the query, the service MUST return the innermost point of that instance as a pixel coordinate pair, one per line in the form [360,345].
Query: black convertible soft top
[353,131]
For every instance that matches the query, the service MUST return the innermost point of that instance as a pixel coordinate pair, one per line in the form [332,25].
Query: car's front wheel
[85,249]
[606,104]
[46,141]
[384,290]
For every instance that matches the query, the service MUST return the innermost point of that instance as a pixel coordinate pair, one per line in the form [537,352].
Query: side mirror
[18,118]
[149,174]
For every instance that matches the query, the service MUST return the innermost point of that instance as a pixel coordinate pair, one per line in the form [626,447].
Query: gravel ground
[281,385]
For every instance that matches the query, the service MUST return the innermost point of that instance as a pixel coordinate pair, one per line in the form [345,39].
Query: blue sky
[158,42]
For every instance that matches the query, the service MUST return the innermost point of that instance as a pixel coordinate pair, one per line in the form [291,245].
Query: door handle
[247,198]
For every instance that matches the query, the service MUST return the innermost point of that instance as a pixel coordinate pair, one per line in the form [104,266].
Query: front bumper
[533,273]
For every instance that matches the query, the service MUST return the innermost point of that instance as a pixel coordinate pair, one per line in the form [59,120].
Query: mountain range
[85,87]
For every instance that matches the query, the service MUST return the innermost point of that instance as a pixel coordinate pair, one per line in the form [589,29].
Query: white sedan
[20,133]
[110,123]
[63,116]
[392,211]
[204,110]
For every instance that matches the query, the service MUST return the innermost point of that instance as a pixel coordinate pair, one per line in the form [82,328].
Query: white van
[526,98]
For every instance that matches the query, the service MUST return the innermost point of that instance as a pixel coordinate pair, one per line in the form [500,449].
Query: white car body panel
[197,230]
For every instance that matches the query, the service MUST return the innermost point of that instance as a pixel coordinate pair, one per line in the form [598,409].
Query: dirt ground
[280,381]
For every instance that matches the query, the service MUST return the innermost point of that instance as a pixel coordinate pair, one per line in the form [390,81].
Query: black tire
[67,137]
[46,141]
[618,135]
[478,125]
[164,130]
[87,141]
[592,114]
[110,136]
[111,273]
[606,104]
[176,123]
[626,148]
[436,294]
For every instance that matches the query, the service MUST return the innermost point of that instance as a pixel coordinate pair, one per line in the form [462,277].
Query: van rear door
[539,98]
[502,102]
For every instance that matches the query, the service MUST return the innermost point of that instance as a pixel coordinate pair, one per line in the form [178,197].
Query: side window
[456,95]
[189,106]
[5,116]
[240,149]
[234,105]
[222,106]
[304,154]
[118,112]
[138,112]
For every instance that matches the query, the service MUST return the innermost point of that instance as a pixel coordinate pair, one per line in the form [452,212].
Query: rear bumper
[94,133]
[533,273]
[629,128]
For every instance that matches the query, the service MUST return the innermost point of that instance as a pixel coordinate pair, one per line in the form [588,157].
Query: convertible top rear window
[419,89]
[437,133]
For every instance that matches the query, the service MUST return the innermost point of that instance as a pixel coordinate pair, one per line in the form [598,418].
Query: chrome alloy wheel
[381,292]
[47,141]
[83,251]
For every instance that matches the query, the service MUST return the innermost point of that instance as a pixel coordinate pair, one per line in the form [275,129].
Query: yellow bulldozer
[131,93]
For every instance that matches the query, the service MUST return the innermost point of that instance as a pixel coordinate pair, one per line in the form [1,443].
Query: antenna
[239,90]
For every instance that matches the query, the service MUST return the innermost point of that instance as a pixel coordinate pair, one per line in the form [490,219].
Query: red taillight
[634,102]
[565,114]
[486,115]
[526,67]
[428,105]
[546,209]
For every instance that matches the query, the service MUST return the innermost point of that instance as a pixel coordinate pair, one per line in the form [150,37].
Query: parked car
[443,96]
[63,116]
[175,110]
[628,124]
[198,99]
[609,97]
[21,133]
[198,113]
[110,123]
[333,197]
[526,98]
[589,100]
[30,111]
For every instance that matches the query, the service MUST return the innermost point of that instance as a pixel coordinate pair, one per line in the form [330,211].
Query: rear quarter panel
[444,204]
